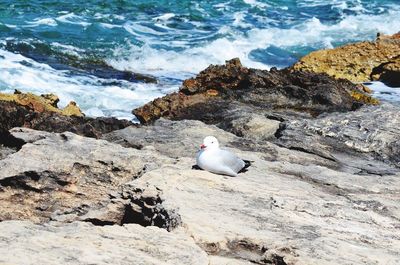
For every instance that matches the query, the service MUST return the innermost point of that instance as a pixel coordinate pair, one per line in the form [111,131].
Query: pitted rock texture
[213,92]
[369,131]
[358,62]
[323,188]
[83,244]
[305,204]
[43,103]
[67,177]
[295,205]
[299,208]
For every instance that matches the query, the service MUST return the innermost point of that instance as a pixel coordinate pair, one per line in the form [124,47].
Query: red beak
[202,146]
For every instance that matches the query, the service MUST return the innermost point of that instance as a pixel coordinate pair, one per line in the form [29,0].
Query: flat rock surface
[290,209]
[370,131]
[65,176]
[83,243]
[321,190]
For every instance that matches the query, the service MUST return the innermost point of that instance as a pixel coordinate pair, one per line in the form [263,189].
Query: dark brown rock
[388,72]
[216,89]
[14,115]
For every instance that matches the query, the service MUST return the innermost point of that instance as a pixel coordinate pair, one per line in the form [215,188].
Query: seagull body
[213,159]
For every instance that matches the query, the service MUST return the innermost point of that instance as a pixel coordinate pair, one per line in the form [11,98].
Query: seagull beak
[202,146]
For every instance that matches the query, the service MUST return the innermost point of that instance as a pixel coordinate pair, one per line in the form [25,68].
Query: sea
[84,50]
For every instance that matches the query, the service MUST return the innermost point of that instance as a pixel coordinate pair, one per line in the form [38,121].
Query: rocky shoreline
[323,187]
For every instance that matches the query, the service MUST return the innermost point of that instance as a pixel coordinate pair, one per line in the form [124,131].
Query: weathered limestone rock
[358,62]
[45,103]
[256,127]
[173,139]
[83,244]
[5,151]
[217,88]
[294,205]
[52,99]
[371,130]
[284,213]
[323,188]
[68,177]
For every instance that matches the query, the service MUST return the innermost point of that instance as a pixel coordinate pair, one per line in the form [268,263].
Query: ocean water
[82,50]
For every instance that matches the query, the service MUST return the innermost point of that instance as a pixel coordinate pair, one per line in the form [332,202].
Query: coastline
[323,188]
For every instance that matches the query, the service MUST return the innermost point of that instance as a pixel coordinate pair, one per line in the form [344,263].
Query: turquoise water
[80,49]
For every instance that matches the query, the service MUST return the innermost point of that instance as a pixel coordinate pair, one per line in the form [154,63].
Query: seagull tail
[247,163]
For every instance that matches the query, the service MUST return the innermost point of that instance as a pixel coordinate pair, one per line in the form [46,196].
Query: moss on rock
[356,62]
[43,103]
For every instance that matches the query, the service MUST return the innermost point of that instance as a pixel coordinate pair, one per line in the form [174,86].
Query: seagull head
[210,142]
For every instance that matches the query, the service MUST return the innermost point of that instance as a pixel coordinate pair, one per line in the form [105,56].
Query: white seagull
[213,159]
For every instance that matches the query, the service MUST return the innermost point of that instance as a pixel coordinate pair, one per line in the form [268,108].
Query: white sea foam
[19,72]
[139,30]
[311,33]
[69,49]
[164,17]
[384,92]
[109,26]
[191,51]
[10,26]
[71,18]
[239,20]
[43,21]
[255,3]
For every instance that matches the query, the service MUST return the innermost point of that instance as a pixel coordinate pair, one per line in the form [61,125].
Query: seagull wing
[232,161]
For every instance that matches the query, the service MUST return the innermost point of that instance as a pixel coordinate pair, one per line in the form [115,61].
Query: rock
[146,207]
[358,62]
[173,139]
[284,213]
[388,72]
[13,115]
[295,205]
[322,189]
[215,90]
[52,99]
[83,243]
[67,177]
[371,130]
[71,110]
[291,219]
[46,103]
[255,126]
[5,151]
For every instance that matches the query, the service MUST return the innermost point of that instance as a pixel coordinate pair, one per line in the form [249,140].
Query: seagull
[213,159]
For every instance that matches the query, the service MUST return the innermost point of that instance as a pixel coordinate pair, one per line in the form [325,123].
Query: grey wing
[232,161]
